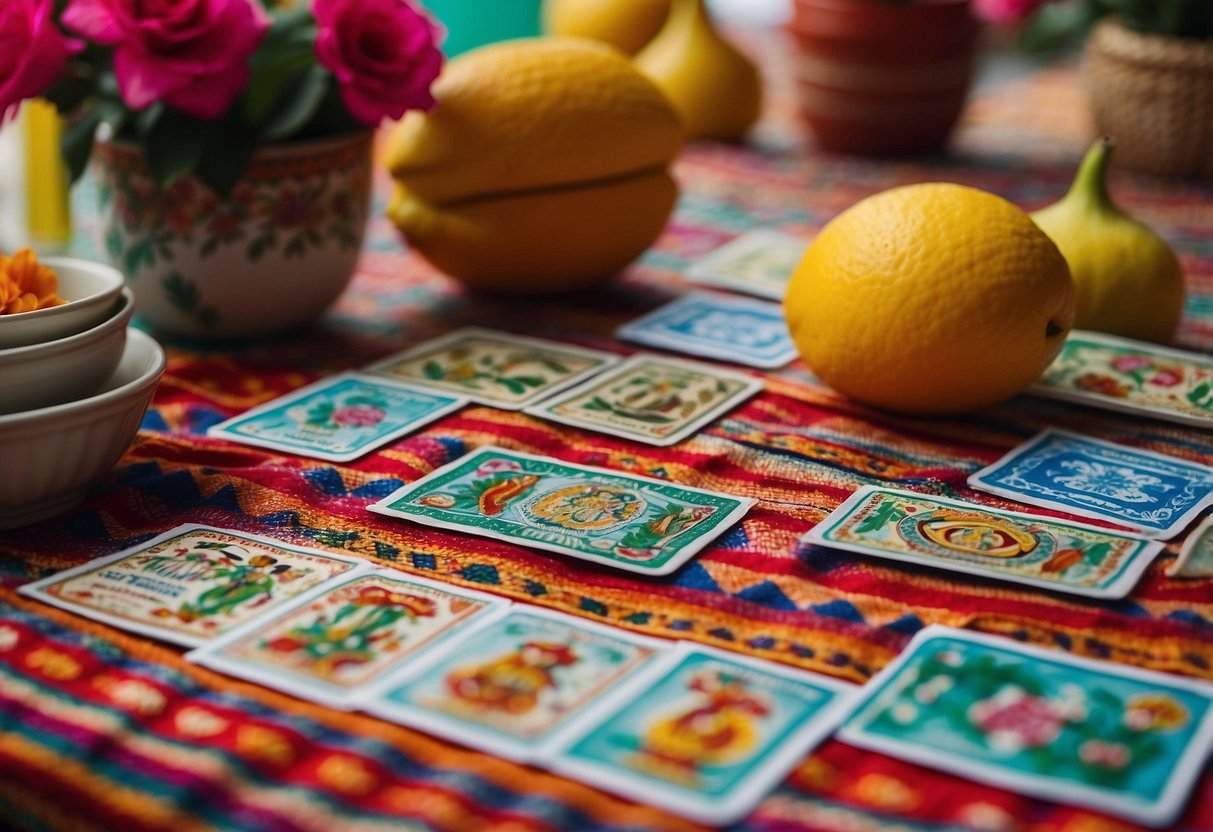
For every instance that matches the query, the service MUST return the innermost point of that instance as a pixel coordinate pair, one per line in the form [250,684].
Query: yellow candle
[46,185]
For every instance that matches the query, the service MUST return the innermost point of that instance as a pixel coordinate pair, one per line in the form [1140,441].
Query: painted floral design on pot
[267,258]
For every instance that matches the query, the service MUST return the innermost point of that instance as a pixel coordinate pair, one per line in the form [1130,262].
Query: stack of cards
[607,517]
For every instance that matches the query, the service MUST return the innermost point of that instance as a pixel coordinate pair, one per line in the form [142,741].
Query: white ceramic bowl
[53,372]
[53,455]
[90,290]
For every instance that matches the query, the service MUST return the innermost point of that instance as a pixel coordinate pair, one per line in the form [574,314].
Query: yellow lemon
[542,168]
[625,24]
[933,298]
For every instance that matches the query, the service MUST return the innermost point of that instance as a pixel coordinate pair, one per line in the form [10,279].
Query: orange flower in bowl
[26,284]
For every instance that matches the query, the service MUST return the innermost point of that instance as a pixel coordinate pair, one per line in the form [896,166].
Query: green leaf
[299,106]
[77,142]
[433,370]
[174,145]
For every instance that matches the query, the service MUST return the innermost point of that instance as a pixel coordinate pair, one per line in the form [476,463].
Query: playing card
[737,330]
[1040,722]
[191,583]
[708,734]
[494,368]
[655,400]
[1155,494]
[1132,377]
[345,635]
[1011,546]
[757,263]
[339,418]
[629,522]
[1196,557]
[515,684]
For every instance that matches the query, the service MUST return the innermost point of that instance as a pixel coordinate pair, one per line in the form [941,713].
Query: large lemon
[542,168]
[933,298]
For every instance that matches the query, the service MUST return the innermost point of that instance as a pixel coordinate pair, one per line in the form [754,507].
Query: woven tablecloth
[103,730]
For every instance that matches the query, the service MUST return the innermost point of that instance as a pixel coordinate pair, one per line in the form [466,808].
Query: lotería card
[651,399]
[339,418]
[1040,722]
[607,517]
[190,584]
[1043,552]
[758,263]
[1154,494]
[494,368]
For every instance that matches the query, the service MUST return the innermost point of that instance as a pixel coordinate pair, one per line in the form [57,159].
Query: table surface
[100,729]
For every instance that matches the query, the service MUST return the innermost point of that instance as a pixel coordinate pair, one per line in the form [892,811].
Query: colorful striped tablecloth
[100,730]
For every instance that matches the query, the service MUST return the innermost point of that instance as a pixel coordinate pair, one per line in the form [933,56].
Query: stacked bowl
[75,381]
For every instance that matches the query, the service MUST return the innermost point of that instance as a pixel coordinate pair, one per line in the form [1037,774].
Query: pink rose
[359,416]
[32,51]
[382,53]
[1003,12]
[190,54]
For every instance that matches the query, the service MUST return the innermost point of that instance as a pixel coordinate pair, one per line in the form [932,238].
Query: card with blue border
[733,329]
[338,418]
[1154,494]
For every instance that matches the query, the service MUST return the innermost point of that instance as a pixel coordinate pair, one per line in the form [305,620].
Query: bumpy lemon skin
[542,169]
[930,299]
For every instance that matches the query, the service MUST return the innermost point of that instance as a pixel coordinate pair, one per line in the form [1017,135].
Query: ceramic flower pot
[883,78]
[1155,96]
[266,259]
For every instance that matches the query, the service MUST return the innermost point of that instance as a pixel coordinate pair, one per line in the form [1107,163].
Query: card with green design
[516,684]
[1040,722]
[634,523]
[1043,552]
[339,639]
[1135,377]
[652,399]
[501,370]
[757,263]
[708,734]
[190,584]
[1196,555]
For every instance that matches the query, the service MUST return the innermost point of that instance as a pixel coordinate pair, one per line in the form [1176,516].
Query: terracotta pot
[882,78]
[1155,96]
[266,259]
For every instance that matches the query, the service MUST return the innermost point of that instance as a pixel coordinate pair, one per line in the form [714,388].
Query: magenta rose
[190,54]
[1002,12]
[32,51]
[382,53]
[359,416]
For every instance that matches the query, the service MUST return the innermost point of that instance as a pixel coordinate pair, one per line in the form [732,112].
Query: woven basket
[1155,96]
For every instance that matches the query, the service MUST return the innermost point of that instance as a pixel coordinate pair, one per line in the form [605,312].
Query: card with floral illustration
[1135,377]
[1154,494]
[514,685]
[733,329]
[655,400]
[1196,555]
[757,263]
[708,734]
[327,645]
[339,418]
[1110,737]
[190,584]
[1043,552]
[607,517]
[495,368]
